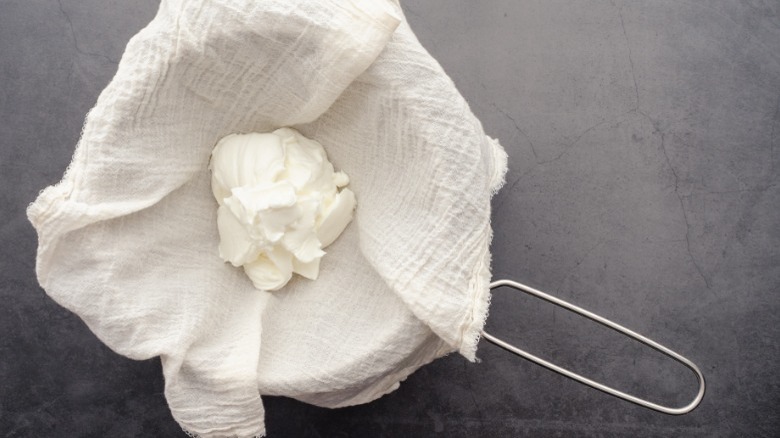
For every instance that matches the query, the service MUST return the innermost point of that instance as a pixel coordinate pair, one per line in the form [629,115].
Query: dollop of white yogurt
[279,204]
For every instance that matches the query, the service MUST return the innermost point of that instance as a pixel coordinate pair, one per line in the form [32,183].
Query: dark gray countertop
[644,144]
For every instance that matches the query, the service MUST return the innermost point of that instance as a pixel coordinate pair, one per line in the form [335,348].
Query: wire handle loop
[617,327]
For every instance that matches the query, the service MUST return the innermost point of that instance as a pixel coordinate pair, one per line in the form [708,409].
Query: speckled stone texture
[643,139]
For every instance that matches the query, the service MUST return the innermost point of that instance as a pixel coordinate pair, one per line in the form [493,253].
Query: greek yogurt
[280,204]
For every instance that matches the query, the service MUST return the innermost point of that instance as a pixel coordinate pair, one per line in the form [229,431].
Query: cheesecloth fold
[128,239]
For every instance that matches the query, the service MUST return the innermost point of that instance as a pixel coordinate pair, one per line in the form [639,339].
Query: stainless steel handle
[617,327]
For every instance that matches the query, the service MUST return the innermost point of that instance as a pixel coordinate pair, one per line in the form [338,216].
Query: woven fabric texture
[128,239]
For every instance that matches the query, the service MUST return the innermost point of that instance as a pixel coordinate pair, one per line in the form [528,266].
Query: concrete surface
[643,139]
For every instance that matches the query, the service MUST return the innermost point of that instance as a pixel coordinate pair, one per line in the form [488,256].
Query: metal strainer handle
[617,327]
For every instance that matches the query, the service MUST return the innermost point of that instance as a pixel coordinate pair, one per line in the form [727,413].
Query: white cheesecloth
[128,239]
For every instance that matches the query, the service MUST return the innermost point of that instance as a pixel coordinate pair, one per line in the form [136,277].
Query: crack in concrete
[682,207]
[519,129]
[657,129]
[75,42]
[509,190]
[630,57]
[599,243]
[568,148]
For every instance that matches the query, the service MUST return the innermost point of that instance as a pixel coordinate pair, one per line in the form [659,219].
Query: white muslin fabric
[128,239]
